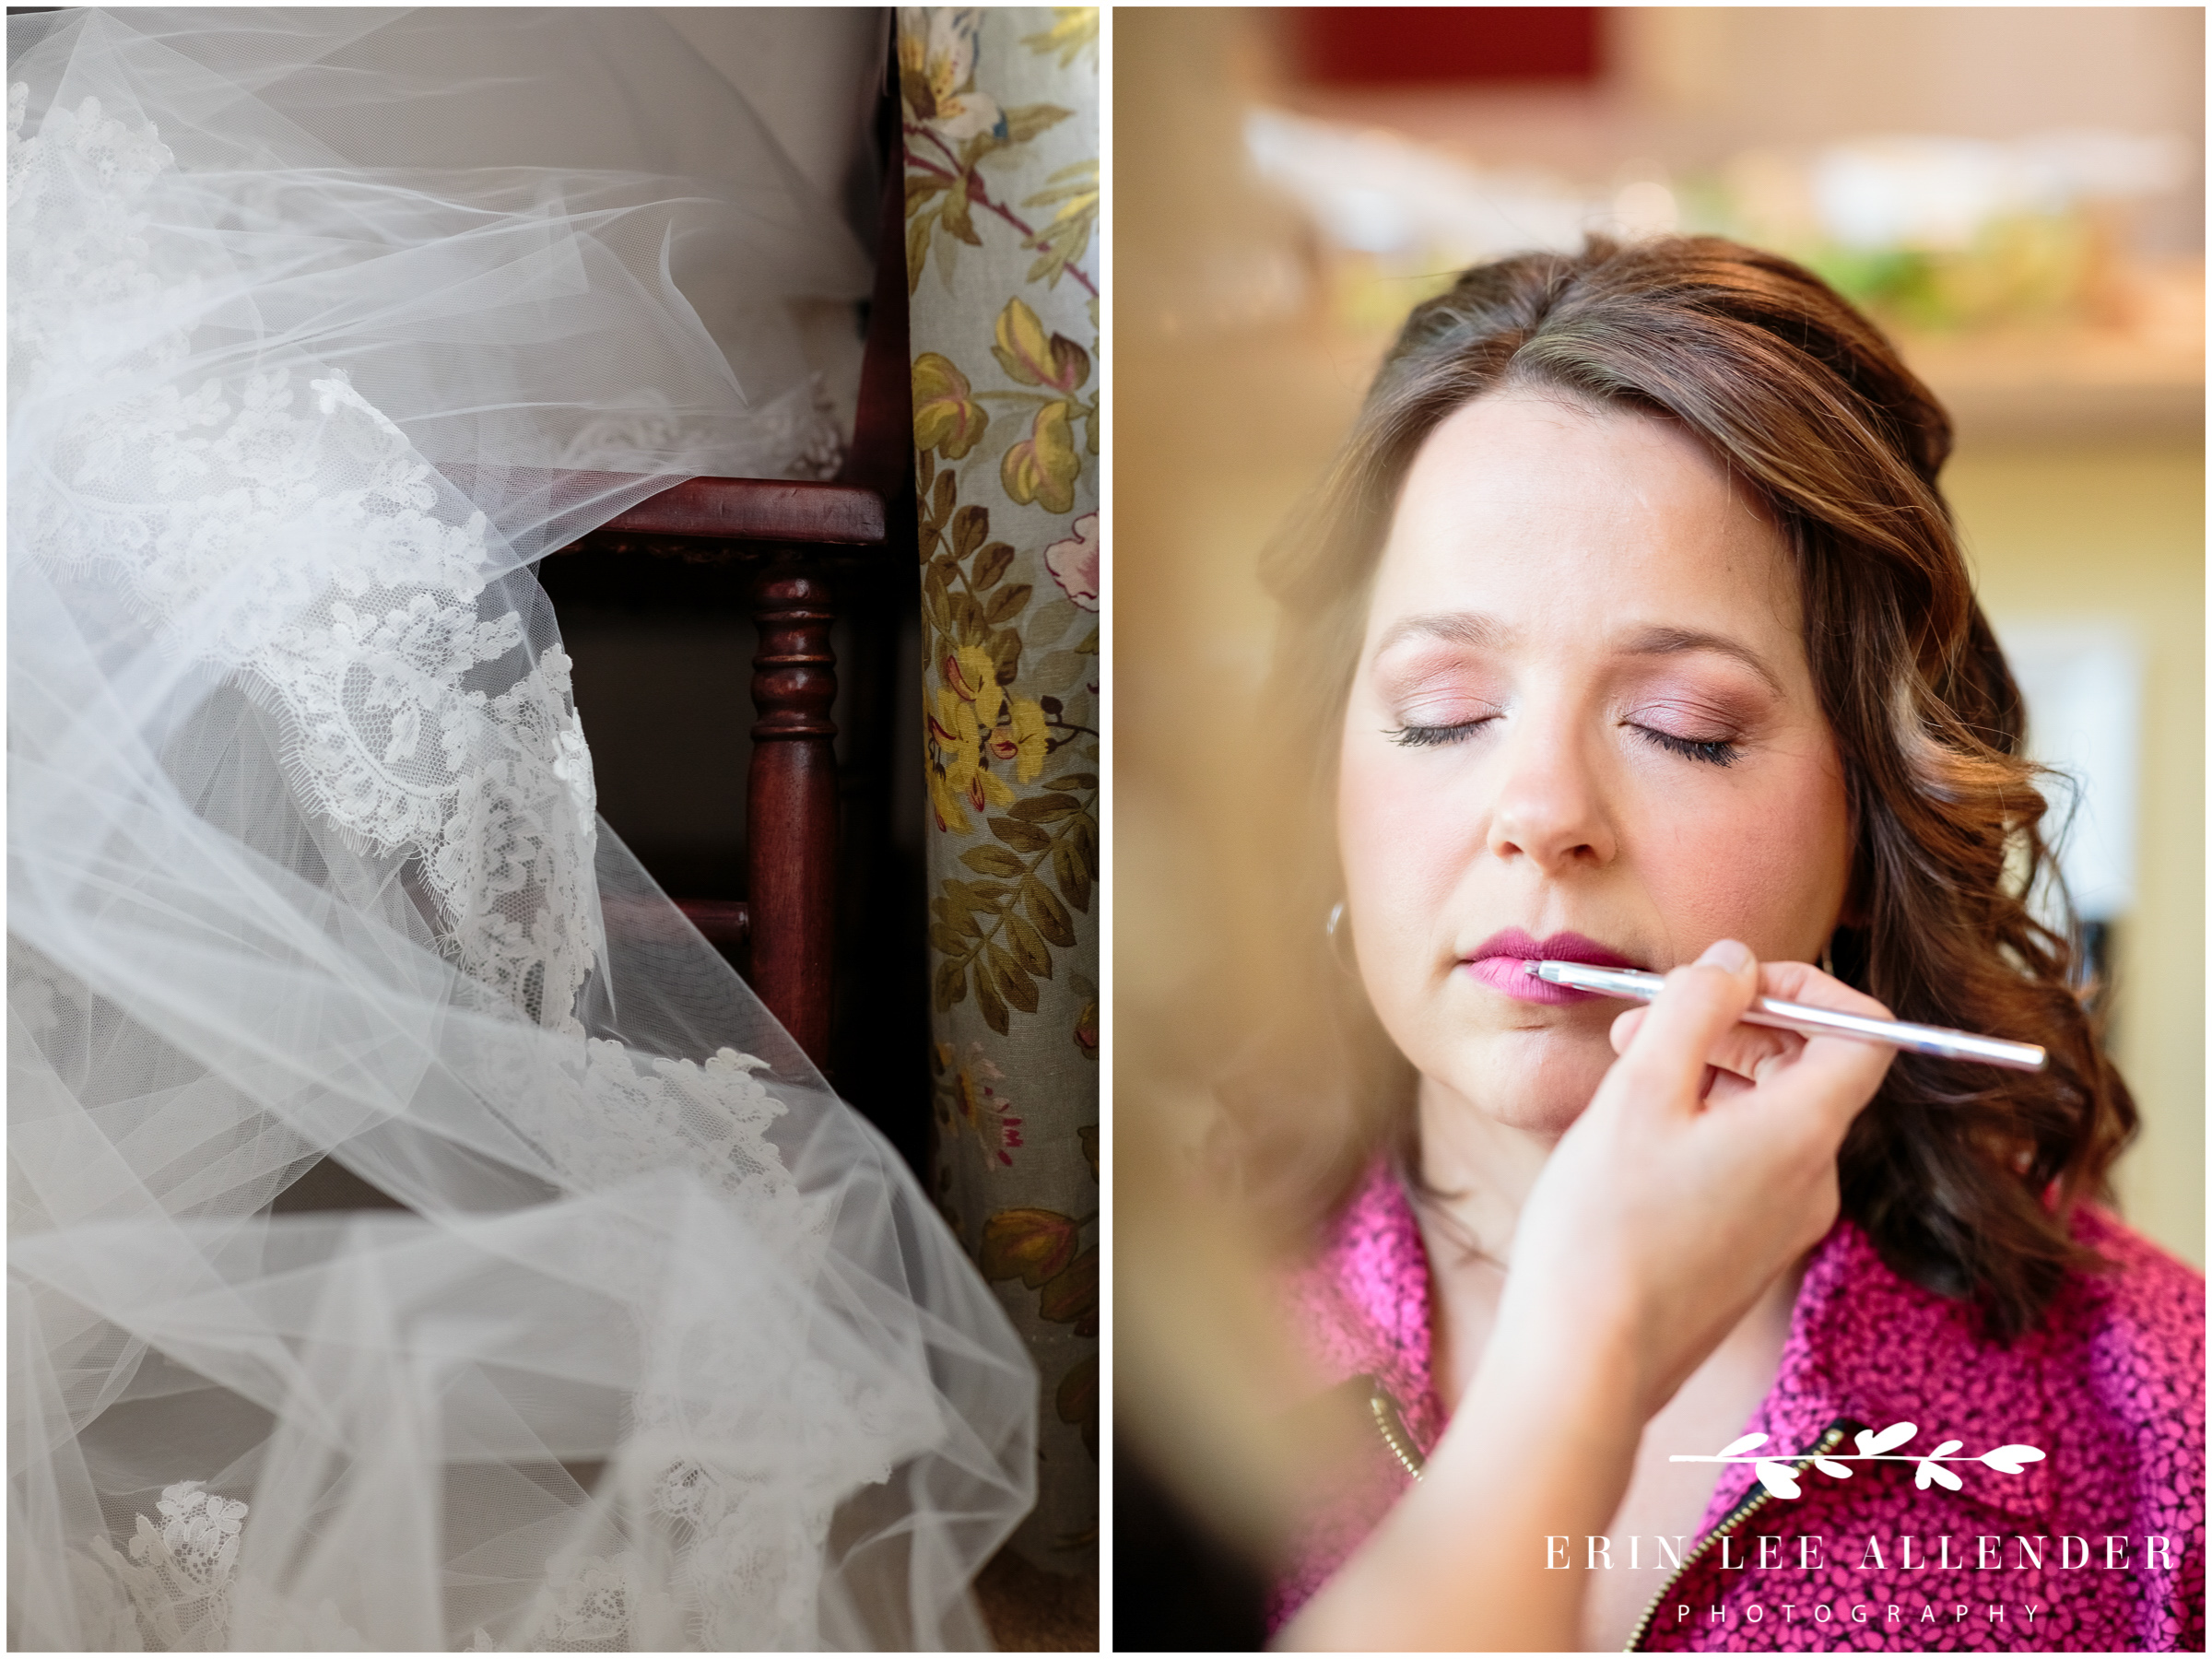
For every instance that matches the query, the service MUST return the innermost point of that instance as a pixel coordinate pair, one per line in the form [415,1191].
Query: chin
[1534,1112]
[1536,1081]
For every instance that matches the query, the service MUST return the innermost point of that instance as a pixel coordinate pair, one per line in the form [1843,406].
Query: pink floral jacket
[2100,1545]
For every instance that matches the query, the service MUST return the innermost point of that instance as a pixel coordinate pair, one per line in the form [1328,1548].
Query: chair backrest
[794,538]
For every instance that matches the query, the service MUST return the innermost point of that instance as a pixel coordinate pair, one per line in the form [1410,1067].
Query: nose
[1550,807]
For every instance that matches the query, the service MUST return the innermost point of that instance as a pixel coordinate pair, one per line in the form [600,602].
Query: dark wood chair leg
[791,811]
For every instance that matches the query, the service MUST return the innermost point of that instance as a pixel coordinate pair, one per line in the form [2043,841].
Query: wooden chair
[803,545]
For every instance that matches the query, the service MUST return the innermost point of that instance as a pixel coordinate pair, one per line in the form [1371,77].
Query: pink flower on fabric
[1075,563]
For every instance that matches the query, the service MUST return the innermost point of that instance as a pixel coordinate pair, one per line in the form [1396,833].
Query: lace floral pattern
[80,248]
[177,1576]
[794,435]
[632,1114]
[354,589]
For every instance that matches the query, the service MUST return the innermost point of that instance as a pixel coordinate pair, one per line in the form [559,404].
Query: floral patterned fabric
[1001,116]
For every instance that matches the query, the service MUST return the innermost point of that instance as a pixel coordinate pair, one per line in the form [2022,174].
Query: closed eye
[1429,736]
[1712,751]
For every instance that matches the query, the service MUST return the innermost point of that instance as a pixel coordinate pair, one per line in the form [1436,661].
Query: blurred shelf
[2075,387]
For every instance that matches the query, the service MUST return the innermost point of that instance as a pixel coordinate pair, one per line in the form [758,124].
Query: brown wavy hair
[1962,1176]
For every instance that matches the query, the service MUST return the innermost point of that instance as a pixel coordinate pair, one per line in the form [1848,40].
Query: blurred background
[2016,194]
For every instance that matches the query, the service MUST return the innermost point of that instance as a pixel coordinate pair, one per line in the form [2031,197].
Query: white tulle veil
[671,1351]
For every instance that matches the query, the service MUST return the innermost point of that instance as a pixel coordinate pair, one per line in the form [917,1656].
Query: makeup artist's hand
[1705,1164]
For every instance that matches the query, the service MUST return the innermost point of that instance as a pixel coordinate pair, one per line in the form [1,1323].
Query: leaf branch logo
[1775,1473]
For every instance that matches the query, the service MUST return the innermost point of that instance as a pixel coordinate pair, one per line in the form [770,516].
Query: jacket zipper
[1752,1502]
[1390,1423]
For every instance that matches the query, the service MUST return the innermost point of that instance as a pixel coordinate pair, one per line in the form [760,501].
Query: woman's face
[1582,726]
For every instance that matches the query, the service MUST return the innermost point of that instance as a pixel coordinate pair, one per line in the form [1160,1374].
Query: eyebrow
[1669,641]
[1487,634]
[1461,628]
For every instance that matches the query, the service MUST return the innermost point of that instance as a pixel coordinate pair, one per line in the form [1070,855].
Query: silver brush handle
[1940,1040]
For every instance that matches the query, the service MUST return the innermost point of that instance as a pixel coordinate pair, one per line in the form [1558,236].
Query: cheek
[1403,839]
[1768,866]
[1364,833]
[1404,848]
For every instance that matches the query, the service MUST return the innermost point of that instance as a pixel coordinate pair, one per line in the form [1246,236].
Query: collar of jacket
[1867,1345]
[1864,1345]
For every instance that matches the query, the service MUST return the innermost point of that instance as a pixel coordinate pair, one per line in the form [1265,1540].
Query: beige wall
[2084,532]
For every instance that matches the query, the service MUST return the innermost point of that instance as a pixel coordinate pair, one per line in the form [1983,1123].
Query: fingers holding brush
[1744,1054]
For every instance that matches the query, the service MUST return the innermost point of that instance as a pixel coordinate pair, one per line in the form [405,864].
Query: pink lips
[1496,962]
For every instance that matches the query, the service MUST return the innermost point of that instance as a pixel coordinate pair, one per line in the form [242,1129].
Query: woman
[664,1347]
[1635,621]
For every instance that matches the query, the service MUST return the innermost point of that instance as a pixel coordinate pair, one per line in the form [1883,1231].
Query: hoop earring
[1337,933]
[1828,957]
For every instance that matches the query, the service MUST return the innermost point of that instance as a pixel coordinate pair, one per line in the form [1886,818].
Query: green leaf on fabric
[1025,123]
[917,247]
[1076,1400]
[970,526]
[950,984]
[1075,27]
[957,908]
[1045,808]
[1012,981]
[991,564]
[1021,837]
[1028,948]
[953,215]
[993,1007]
[1050,915]
[1073,1292]
[1051,620]
[1073,872]
[1005,605]
[988,860]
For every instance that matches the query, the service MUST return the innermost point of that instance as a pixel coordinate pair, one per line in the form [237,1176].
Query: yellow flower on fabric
[1043,466]
[973,675]
[946,418]
[1025,741]
[944,805]
[958,740]
[964,751]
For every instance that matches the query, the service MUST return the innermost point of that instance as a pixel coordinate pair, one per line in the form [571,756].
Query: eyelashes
[1712,751]
[1707,751]
[1433,737]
